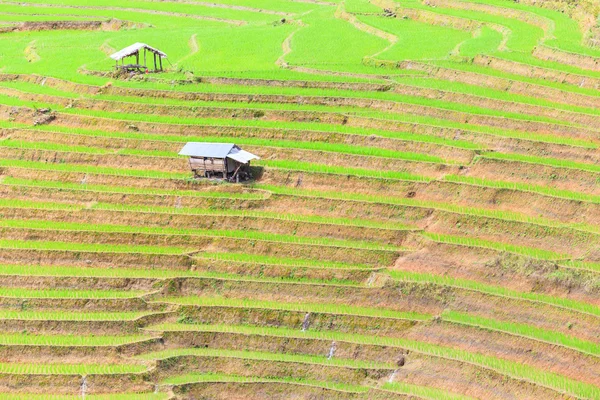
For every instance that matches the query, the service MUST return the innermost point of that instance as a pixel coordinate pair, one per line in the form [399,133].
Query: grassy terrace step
[268,94]
[265,356]
[369,223]
[553,162]
[434,205]
[159,274]
[304,307]
[421,124]
[27,339]
[91,247]
[585,266]
[70,369]
[292,130]
[335,148]
[236,234]
[284,261]
[573,305]
[524,187]
[280,190]
[523,330]
[220,378]
[10,181]
[71,316]
[376,108]
[22,293]
[339,170]
[486,244]
[422,392]
[84,169]
[303,166]
[38,205]
[339,141]
[513,369]
[112,396]
[314,219]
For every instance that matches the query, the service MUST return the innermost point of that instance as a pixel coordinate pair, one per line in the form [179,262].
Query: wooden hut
[135,50]
[211,160]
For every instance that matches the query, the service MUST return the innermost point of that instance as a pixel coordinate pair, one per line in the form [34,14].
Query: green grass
[250,214]
[212,233]
[90,140]
[524,187]
[428,204]
[163,274]
[339,170]
[523,330]
[71,316]
[302,307]
[90,247]
[38,205]
[514,369]
[22,293]
[113,396]
[587,266]
[27,339]
[218,378]
[265,356]
[61,185]
[69,369]
[553,162]
[268,127]
[424,392]
[541,254]
[92,169]
[283,261]
[568,304]
[341,148]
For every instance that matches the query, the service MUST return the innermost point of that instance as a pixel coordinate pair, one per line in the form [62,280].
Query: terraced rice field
[424,222]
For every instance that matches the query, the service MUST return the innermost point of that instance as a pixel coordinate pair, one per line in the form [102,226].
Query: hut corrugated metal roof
[217,150]
[242,156]
[129,50]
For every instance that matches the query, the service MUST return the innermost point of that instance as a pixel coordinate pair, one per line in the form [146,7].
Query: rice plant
[90,247]
[553,162]
[332,308]
[69,369]
[424,392]
[60,185]
[541,254]
[525,187]
[265,356]
[218,378]
[510,368]
[560,302]
[235,234]
[28,339]
[528,331]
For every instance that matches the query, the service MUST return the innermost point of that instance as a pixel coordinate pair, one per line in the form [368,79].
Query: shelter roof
[217,150]
[134,48]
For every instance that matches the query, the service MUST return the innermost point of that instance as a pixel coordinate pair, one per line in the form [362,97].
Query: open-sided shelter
[136,50]
[224,160]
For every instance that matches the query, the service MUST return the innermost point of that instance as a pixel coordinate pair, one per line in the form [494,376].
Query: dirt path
[341,13]
[287,48]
